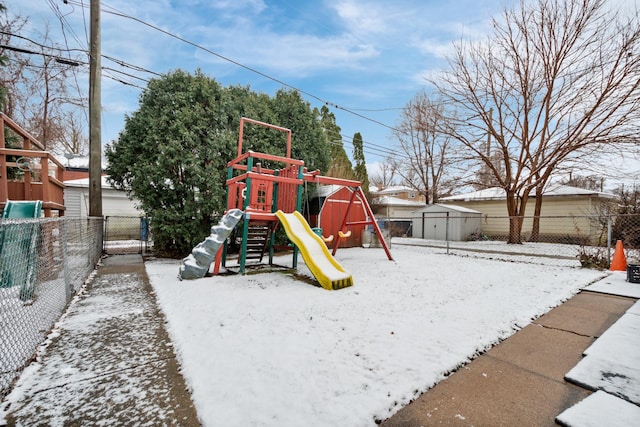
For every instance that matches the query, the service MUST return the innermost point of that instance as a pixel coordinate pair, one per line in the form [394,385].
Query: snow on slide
[316,256]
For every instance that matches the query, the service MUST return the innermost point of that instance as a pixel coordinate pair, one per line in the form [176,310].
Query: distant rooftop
[395,201]
[79,162]
[393,189]
[497,193]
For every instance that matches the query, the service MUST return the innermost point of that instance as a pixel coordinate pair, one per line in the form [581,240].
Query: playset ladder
[258,234]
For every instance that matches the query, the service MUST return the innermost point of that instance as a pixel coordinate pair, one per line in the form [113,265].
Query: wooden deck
[27,171]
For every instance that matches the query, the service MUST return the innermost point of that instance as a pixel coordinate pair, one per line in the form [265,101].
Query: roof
[393,189]
[555,190]
[75,161]
[395,201]
[326,190]
[84,183]
[447,207]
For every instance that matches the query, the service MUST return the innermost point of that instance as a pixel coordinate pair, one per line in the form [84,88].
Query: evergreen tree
[360,168]
[339,164]
[308,141]
[171,156]
[173,151]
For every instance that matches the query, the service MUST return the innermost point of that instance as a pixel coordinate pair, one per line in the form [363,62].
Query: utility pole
[95,130]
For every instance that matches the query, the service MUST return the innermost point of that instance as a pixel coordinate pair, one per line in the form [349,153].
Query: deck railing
[27,171]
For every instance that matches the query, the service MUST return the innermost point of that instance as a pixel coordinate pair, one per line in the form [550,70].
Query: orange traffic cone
[619,262]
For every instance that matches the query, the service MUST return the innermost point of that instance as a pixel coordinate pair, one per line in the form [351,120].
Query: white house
[393,207]
[114,202]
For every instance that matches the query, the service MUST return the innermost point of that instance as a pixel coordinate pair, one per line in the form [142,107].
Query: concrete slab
[616,284]
[521,380]
[146,395]
[547,352]
[614,304]
[588,314]
[600,409]
[490,392]
[611,363]
[127,259]
[109,362]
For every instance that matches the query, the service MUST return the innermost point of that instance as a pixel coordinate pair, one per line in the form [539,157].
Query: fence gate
[126,235]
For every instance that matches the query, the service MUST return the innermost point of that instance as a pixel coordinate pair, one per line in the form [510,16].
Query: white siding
[114,202]
[72,202]
[431,223]
[573,211]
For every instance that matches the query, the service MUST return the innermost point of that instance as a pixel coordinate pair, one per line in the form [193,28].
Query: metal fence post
[105,232]
[609,236]
[447,232]
[64,242]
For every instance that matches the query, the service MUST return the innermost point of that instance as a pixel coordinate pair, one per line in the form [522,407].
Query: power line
[133,67]
[379,153]
[76,62]
[57,58]
[6,33]
[376,150]
[379,147]
[377,110]
[126,74]
[63,20]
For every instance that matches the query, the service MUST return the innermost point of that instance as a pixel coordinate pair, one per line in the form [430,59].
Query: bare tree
[37,81]
[74,139]
[556,78]
[386,175]
[12,72]
[45,98]
[428,148]
[592,182]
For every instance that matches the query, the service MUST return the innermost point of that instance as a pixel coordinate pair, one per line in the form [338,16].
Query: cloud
[287,54]
[287,50]
[434,47]
[249,6]
[362,17]
[422,77]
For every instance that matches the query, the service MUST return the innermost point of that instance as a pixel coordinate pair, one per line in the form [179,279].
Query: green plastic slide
[19,247]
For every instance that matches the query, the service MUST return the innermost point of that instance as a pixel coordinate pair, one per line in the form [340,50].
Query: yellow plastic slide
[316,256]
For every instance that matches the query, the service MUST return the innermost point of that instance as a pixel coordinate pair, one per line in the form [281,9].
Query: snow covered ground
[270,349]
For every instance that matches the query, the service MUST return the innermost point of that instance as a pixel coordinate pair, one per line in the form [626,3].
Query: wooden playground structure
[264,193]
[27,171]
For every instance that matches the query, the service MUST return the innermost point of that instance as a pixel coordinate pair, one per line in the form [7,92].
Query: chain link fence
[43,263]
[565,240]
[127,234]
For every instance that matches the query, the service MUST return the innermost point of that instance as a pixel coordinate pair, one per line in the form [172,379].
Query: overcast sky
[366,56]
